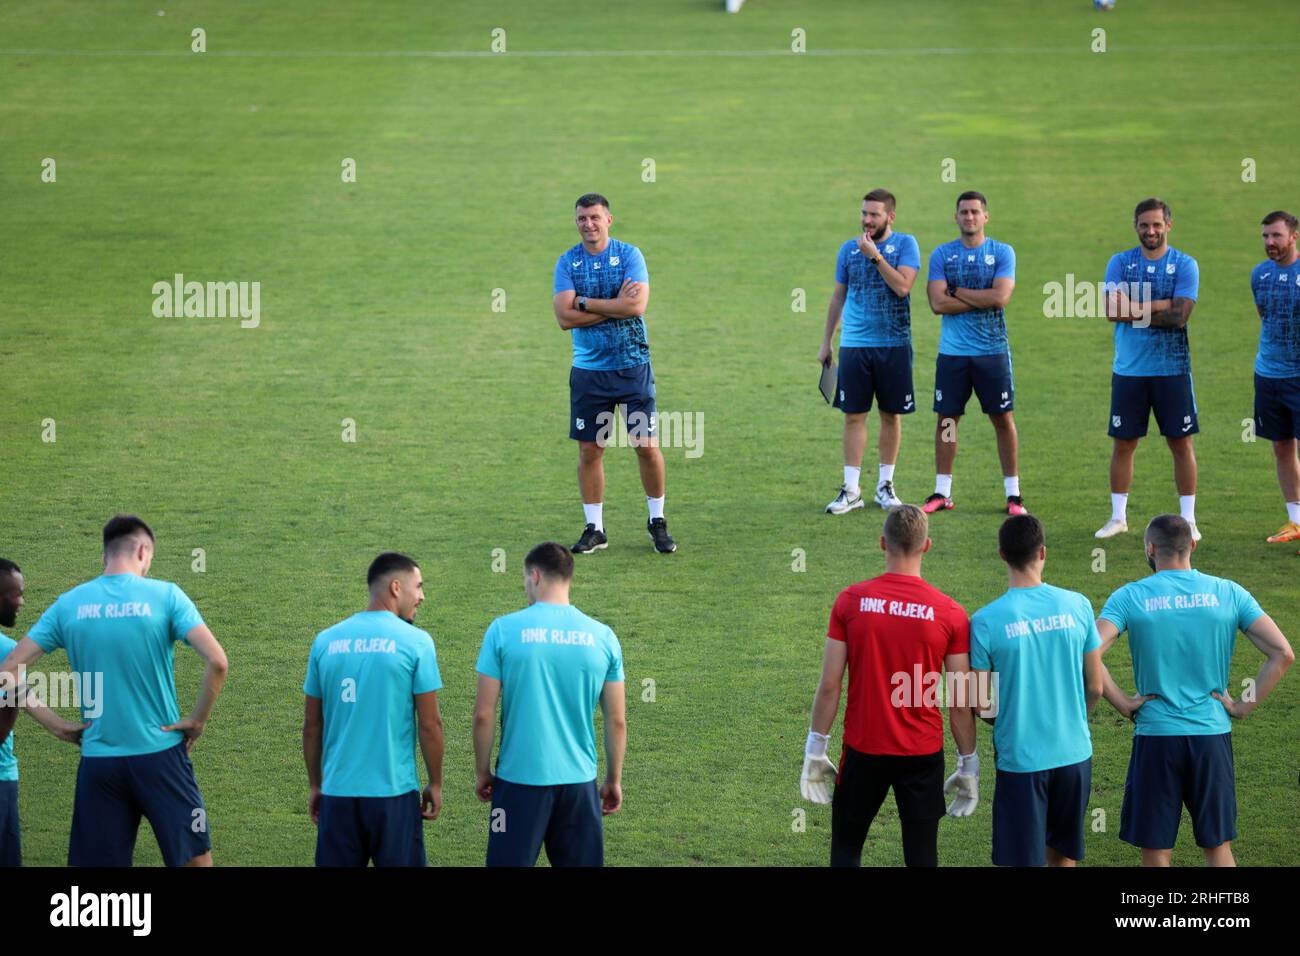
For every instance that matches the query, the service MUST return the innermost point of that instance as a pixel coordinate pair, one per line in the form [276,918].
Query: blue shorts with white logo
[1133,397]
[565,817]
[885,373]
[355,830]
[1032,811]
[113,793]
[593,395]
[11,839]
[1167,773]
[1277,408]
[989,376]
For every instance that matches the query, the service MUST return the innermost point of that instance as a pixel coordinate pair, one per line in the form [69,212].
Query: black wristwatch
[582,303]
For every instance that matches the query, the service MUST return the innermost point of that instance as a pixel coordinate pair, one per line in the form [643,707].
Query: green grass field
[376,307]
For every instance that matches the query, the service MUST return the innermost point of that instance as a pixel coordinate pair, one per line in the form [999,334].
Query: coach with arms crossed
[601,291]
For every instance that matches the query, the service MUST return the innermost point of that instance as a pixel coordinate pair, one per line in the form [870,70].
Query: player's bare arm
[12,674]
[313,736]
[982,679]
[961,720]
[485,726]
[994,298]
[1279,656]
[941,303]
[214,678]
[1171,316]
[1120,308]
[570,316]
[1127,706]
[833,312]
[65,730]
[1093,678]
[613,709]
[826,703]
[633,298]
[429,722]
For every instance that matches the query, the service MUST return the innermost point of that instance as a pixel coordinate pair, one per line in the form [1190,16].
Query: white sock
[851,478]
[1293,511]
[1187,508]
[1012,485]
[656,506]
[1119,507]
[943,485]
[886,472]
[593,513]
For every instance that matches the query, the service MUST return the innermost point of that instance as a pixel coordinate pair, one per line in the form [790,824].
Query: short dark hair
[1019,539]
[972,194]
[1281,215]
[388,563]
[1150,205]
[906,528]
[8,567]
[591,199]
[120,527]
[1171,535]
[553,559]
[881,195]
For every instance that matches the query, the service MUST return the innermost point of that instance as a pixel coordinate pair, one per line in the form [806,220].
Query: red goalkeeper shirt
[898,629]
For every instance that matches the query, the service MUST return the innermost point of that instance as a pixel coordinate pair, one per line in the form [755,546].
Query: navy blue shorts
[989,376]
[355,830]
[593,395]
[1167,773]
[11,839]
[1133,397]
[113,793]
[885,373]
[566,818]
[1032,811]
[1277,408]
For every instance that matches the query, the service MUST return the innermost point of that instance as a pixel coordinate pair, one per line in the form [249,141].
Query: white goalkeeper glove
[965,783]
[818,770]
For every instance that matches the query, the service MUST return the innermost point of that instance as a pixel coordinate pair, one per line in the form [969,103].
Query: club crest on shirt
[989,260]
